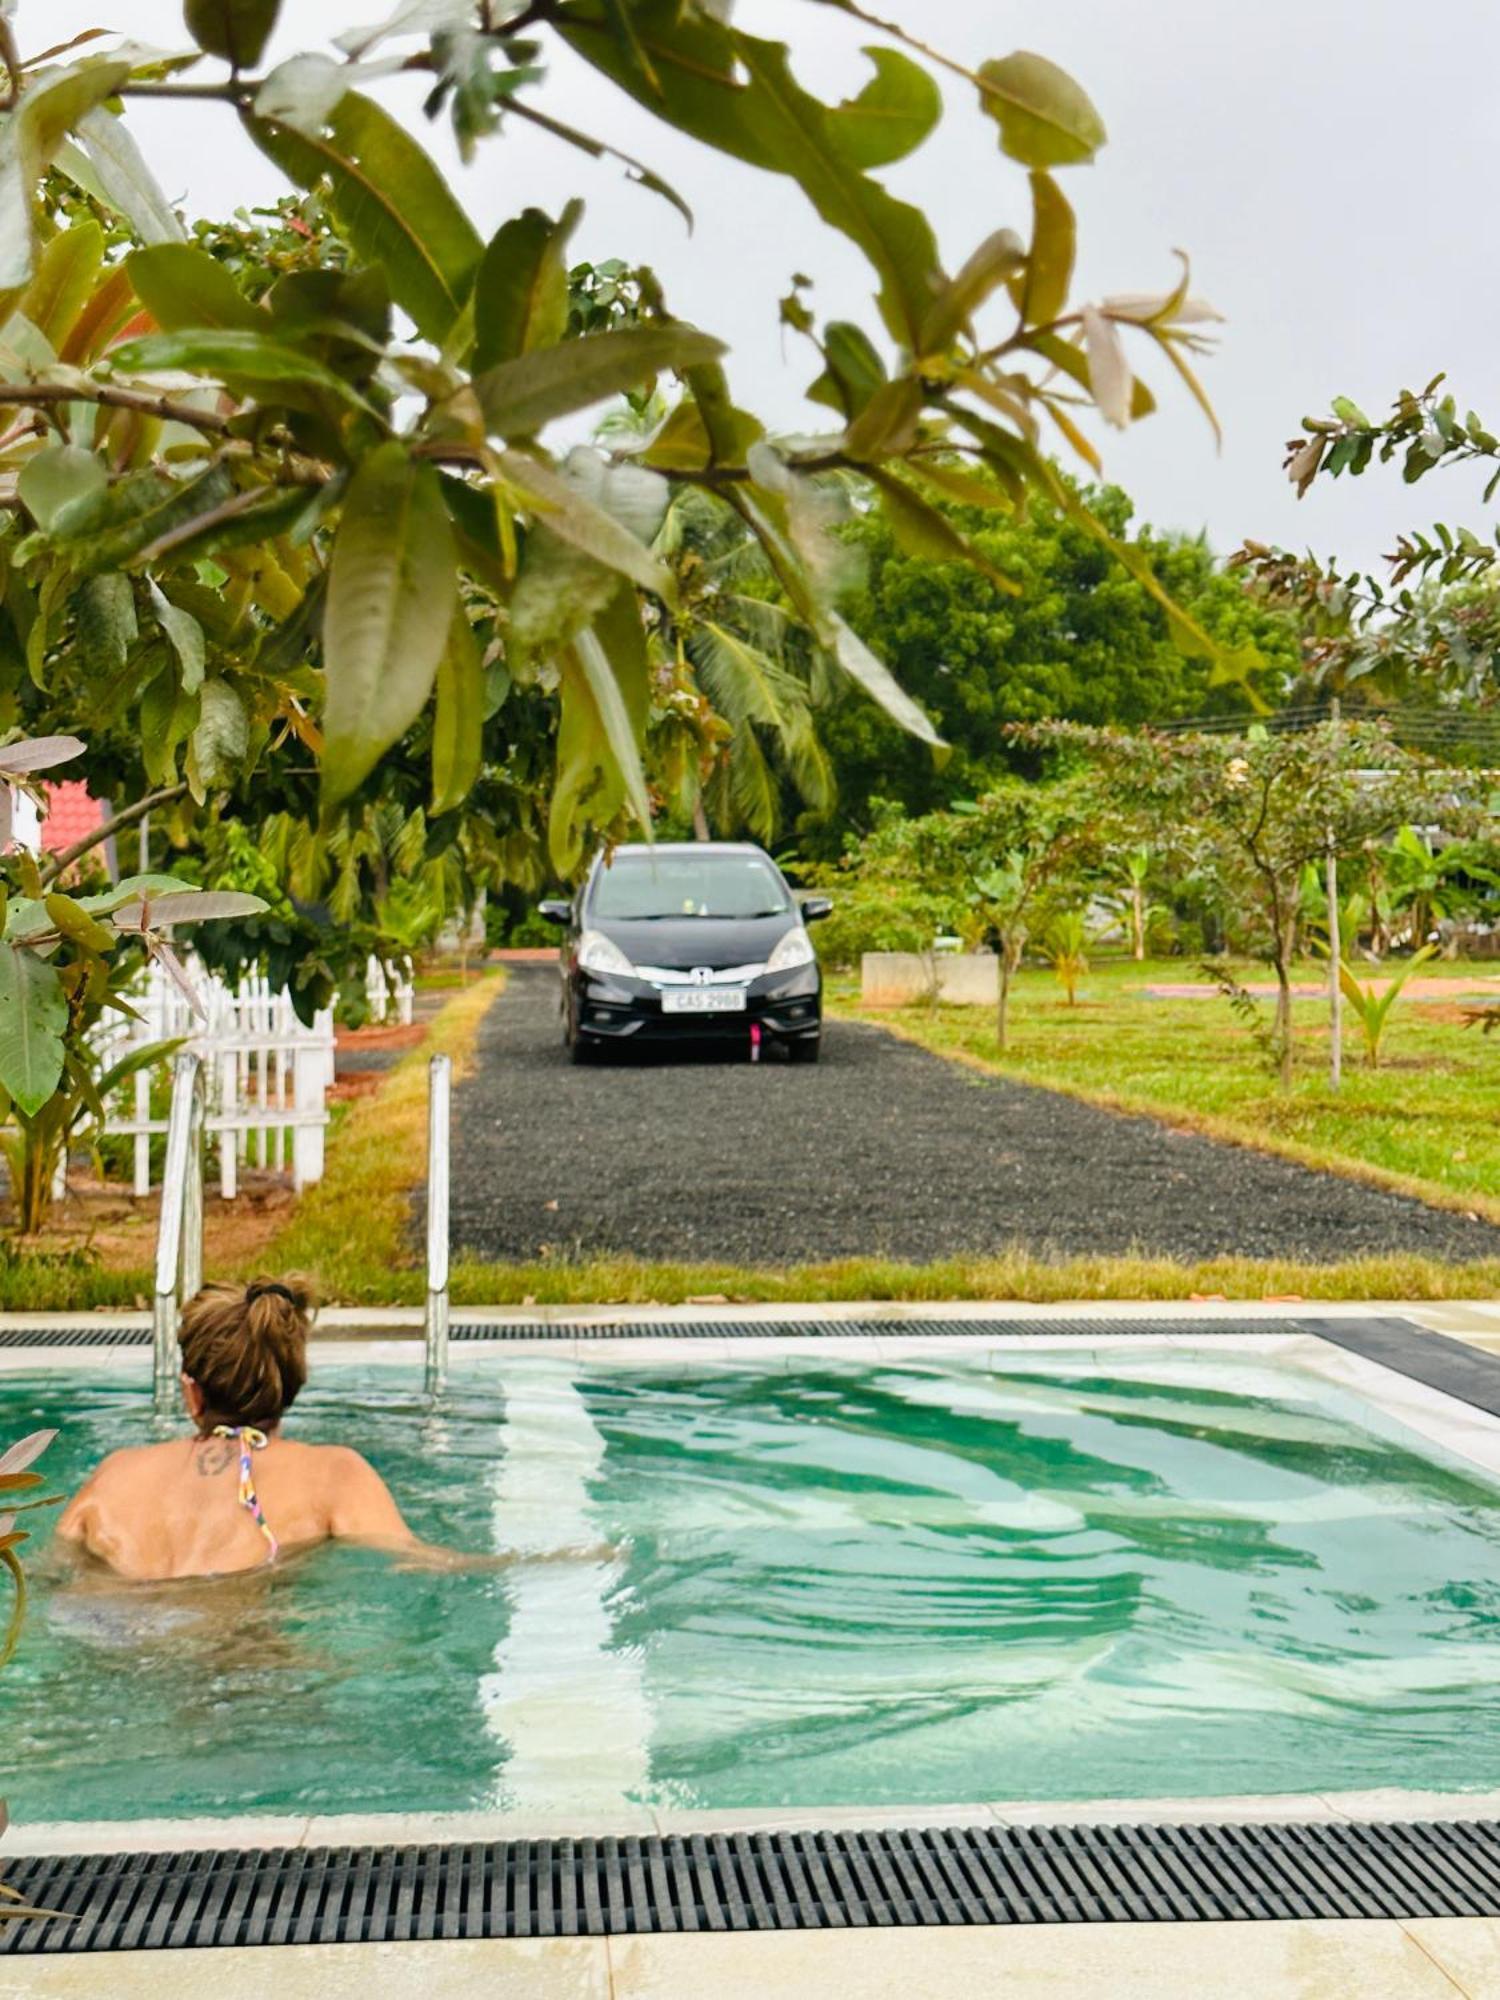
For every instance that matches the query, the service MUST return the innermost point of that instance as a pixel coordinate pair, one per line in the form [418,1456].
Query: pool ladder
[179,1237]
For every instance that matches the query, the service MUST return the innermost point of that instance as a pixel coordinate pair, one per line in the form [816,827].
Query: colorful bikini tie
[249,1439]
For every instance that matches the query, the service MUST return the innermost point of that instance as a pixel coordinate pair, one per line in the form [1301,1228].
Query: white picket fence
[268,1075]
[389,988]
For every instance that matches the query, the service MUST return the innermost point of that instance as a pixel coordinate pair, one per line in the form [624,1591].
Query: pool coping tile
[58,1837]
[1314,1958]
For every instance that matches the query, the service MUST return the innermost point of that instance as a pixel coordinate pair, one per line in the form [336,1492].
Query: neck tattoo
[214,1455]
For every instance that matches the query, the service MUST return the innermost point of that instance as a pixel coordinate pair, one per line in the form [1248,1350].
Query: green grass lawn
[1427,1121]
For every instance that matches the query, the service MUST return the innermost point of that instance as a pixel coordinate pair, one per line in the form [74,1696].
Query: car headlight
[794,949]
[597,953]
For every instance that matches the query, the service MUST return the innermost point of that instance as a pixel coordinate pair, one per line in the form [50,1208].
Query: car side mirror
[815,907]
[557,910]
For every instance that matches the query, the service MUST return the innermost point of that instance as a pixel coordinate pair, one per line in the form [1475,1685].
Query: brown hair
[246,1347]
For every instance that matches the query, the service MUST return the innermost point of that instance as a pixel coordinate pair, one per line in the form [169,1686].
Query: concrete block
[898,978]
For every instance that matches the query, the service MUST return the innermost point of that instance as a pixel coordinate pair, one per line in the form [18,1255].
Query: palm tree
[741,651]
[737,681]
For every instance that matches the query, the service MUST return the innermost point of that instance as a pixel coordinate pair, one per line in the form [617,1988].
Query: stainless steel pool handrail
[439,1165]
[179,1234]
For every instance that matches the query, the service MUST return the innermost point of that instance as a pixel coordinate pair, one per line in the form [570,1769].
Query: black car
[704,939]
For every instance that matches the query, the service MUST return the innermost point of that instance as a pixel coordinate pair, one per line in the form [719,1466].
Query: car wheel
[806,1050]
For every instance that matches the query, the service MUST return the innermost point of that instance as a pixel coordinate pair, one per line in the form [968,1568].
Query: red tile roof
[71,814]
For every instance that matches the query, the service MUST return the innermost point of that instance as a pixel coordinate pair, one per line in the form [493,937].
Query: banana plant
[1371,1006]
[1065,947]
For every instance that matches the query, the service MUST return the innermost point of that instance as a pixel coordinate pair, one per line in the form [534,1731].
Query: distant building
[71,814]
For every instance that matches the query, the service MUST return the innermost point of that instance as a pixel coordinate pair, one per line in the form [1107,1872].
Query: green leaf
[997,259]
[33,1018]
[891,116]
[888,422]
[104,610]
[392,591]
[604,702]
[521,291]
[854,370]
[1045,118]
[922,531]
[458,720]
[879,683]
[49,109]
[235,355]
[1049,264]
[736,93]
[185,906]
[956,484]
[65,276]
[135,514]
[182,286]
[131,888]
[558,591]
[185,633]
[518,397]
[126,182]
[730,430]
[58,477]
[236,30]
[621,728]
[220,744]
[144,1057]
[608,513]
[391,202]
[75,923]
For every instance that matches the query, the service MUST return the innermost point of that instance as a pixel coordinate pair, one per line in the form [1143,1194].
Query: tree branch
[60,863]
[40,394]
[10,58]
[243,502]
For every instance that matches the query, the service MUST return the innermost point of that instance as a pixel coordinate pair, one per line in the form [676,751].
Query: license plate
[704,1000]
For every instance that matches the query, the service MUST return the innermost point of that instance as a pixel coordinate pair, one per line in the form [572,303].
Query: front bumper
[787,1006]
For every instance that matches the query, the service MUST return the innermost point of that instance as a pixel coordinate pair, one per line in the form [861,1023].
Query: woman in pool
[236,1492]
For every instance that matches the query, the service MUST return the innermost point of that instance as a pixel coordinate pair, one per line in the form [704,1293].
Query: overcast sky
[1327,164]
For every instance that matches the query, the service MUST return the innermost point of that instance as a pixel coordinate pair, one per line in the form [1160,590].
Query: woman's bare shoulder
[133,1461]
[337,1467]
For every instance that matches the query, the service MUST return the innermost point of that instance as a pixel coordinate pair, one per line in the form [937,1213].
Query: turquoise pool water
[1122,1574]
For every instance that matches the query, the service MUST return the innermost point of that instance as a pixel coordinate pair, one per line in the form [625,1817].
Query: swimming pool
[894,1577]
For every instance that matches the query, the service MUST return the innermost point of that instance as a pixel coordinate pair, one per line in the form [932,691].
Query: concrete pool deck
[1318,1959]
[1455,1958]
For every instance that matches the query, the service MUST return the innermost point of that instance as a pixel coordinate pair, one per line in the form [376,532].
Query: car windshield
[650,887]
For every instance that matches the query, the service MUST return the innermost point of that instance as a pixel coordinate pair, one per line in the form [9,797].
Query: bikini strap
[249,1439]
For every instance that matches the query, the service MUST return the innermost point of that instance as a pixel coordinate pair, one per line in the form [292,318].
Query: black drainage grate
[758,1882]
[86,1335]
[75,1336]
[864,1329]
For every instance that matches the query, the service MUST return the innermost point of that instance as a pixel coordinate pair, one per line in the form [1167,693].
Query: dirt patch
[119,1228]
[397,1035]
[354,1083]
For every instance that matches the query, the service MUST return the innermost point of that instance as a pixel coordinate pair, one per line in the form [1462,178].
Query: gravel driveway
[881,1150]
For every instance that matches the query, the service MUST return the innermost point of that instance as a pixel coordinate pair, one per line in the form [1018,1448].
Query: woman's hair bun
[246,1347]
[296,1291]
